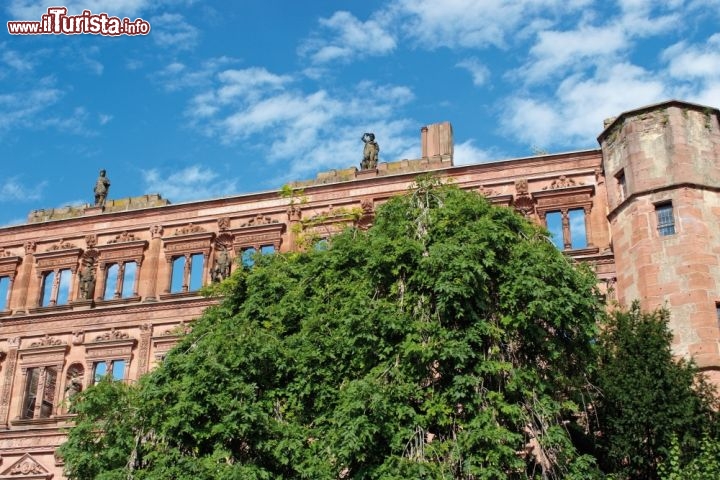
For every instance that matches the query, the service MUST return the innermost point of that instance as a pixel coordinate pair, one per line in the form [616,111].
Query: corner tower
[662,165]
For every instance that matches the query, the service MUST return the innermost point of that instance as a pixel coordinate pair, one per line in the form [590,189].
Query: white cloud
[11,189]
[467,153]
[306,130]
[177,76]
[556,51]
[574,114]
[104,119]
[74,123]
[170,30]
[349,38]
[474,24]
[21,108]
[190,183]
[694,70]
[480,73]
[15,60]
[694,61]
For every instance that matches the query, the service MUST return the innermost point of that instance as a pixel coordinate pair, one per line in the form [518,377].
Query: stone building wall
[51,345]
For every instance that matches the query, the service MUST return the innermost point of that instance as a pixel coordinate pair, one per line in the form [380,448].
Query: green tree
[450,340]
[704,464]
[648,399]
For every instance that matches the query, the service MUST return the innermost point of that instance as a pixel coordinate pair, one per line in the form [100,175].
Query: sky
[230,97]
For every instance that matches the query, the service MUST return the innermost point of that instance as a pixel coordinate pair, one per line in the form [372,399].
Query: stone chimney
[436,140]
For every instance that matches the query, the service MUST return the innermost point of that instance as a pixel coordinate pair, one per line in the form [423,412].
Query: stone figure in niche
[102,185]
[221,270]
[370,152]
[73,385]
[87,281]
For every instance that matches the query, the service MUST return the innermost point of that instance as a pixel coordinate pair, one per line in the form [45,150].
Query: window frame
[187,242]
[8,268]
[41,355]
[121,251]
[665,209]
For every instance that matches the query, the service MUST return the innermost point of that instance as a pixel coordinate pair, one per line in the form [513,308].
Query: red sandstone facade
[642,210]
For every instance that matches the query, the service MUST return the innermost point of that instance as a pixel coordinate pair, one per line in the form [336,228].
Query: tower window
[665,219]
[621,185]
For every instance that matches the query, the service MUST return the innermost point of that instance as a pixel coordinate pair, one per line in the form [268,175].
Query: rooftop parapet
[111,206]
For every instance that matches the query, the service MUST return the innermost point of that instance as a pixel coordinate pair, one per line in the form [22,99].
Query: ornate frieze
[123,238]
[562,182]
[38,355]
[257,235]
[259,220]
[122,249]
[61,245]
[578,196]
[112,335]
[189,229]
[8,263]
[58,259]
[188,240]
[47,341]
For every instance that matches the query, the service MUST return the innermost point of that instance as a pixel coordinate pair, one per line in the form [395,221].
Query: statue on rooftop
[370,152]
[102,185]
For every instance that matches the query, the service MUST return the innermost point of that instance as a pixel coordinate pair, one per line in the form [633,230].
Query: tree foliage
[450,340]
[650,403]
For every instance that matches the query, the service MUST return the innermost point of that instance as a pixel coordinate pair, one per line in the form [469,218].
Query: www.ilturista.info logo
[57,22]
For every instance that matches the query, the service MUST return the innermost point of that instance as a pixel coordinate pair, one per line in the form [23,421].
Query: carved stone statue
[221,270]
[102,185]
[370,152]
[74,386]
[87,281]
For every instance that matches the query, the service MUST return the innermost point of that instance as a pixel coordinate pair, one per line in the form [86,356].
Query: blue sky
[229,97]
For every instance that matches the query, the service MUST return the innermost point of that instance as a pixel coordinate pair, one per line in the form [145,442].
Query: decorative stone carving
[14,341]
[61,245]
[74,381]
[123,237]
[370,152]
[486,192]
[294,213]
[599,176]
[367,206]
[180,329]
[26,466]
[523,202]
[259,220]
[47,341]
[144,347]
[91,240]
[221,269]
[188,229]
[78,337]
[521,187]
[156,231]
[87,279]
[112,335]
[223,223]
[30,247]
[561,182]
[5,253]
